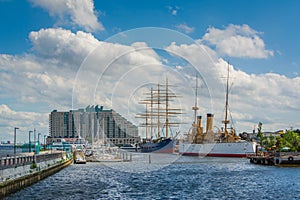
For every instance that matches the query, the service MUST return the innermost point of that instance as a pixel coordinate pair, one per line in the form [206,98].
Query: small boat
[79,157]
[130,147]
[103,154]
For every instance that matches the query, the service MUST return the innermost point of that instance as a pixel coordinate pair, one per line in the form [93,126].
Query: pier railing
[16,161]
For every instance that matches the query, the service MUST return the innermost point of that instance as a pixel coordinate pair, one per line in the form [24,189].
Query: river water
[168,177]
[9,152]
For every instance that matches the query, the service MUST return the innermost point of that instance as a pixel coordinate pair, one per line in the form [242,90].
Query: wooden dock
[277,159]
[262,160]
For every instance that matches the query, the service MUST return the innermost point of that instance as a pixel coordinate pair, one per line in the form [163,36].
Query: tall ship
[158,115]
[221,143]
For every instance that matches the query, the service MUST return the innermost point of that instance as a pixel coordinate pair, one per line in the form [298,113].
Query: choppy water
[187,178]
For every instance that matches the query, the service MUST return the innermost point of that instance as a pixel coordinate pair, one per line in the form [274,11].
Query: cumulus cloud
[44,85]
[25,121]
[110,65]
[42,80]
[83,60]
[63,45]
[64,65]
[185,28]
[270,98]
[80,12]
[54,73]
[237,41]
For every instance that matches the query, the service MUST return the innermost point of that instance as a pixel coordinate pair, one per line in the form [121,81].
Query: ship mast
[151,111]
[226,121]
[195,108]
[159,101]
[146,116]
[146,121]
[158,111]
[167,109]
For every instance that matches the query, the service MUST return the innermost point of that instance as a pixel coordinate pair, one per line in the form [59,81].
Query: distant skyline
[52,56]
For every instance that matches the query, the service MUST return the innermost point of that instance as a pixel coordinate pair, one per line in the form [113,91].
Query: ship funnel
[209,122]
[199,124]
[199,121]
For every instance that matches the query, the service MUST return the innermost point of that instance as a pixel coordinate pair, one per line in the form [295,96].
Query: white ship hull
[235,149]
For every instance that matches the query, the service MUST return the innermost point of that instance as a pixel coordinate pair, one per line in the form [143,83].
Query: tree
[291,139]
[269,142]
[260,135]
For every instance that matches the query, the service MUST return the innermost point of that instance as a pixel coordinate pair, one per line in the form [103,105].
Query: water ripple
[187,178]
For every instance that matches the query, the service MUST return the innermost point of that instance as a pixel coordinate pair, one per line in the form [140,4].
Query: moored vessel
[79,157]
[160,111]
[130,147]
[224,143]
[104,154]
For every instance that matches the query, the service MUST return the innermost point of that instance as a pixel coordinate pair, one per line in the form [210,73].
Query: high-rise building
[94,124]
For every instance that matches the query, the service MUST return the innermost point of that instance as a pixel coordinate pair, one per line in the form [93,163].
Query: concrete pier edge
[12,186]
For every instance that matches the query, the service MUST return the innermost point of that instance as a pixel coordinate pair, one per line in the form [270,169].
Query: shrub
[33,166]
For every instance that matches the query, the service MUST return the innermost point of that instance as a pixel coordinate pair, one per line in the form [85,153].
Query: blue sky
[277,20]
[44,43]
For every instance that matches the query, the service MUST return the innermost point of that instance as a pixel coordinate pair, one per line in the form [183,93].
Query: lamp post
[29,142]
[45,142]
[34,140]
[15,137]
[34,136]
[39,137]
[39,140]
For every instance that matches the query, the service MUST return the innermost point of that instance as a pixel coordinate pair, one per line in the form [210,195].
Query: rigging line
[171,133]
[230,113]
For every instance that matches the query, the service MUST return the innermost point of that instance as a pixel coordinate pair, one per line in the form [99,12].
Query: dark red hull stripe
[215,155]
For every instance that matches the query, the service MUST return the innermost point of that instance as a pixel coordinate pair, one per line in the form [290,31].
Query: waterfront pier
[18,172]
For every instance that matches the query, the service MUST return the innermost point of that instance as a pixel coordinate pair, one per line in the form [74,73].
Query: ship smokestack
[199,124]
[209,122]
[199,121]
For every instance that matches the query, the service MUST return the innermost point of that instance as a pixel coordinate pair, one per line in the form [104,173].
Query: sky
[67,54]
